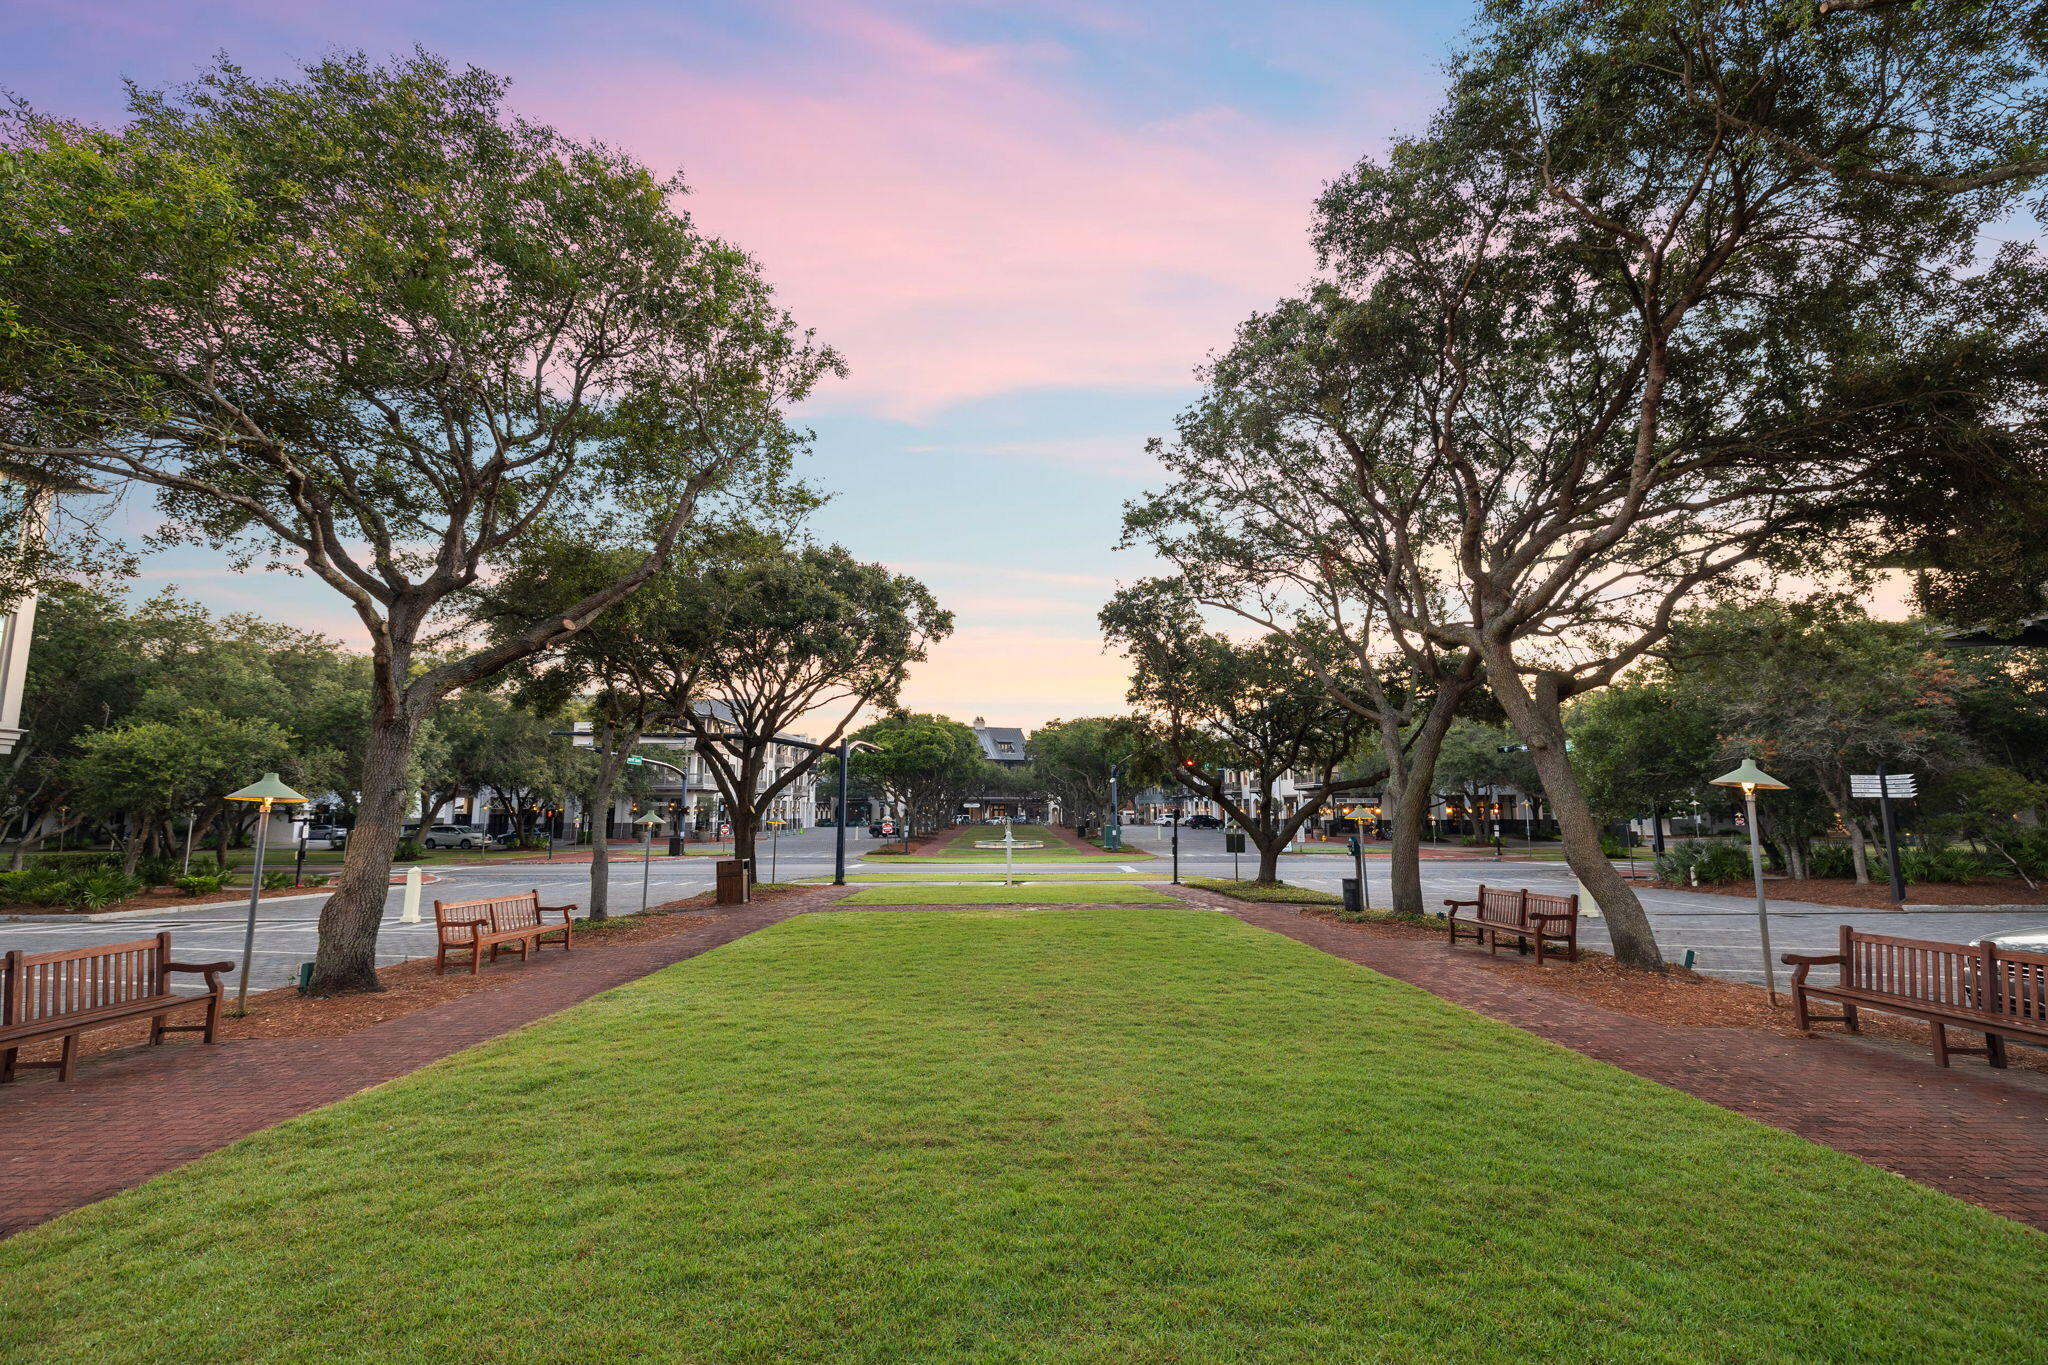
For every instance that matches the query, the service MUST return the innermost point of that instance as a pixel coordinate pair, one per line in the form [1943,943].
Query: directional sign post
[1885,788]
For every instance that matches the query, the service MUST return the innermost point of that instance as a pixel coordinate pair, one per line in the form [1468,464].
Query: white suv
[454,836]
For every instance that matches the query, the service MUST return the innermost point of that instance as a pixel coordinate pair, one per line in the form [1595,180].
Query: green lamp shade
[269,789]
[649,819]
[1749,775]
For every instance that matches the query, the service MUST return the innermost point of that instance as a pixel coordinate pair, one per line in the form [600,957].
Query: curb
[103,916]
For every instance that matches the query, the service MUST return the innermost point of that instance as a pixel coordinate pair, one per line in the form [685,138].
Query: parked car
[455,836]
[326,836]
[882,829]
[1205,822]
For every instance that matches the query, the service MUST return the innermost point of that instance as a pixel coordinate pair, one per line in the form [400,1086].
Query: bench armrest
[210,970]
[567,912]
[1806,962]
[1453,905]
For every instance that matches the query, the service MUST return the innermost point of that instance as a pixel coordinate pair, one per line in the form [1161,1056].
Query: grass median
[1008,1136]
[1039,893]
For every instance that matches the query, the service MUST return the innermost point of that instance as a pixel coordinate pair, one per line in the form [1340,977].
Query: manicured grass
[1281,894]
[984,878]
[1098,1136]
[1042,893]
[961,848]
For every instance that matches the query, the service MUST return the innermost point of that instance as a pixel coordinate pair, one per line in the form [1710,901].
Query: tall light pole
[647,823]
[1749,777]
[266,793]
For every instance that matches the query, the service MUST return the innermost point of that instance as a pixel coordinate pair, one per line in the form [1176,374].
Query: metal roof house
[1004,744]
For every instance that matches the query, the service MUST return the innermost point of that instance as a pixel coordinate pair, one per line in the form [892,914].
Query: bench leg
[212,1018]
[1539,950]
[1994,1048]
[1849,1018]
[1941,1043]
[156,1030]
[476,957]
[67,1062]
[7,1064]
[440,959]
[1799,1019]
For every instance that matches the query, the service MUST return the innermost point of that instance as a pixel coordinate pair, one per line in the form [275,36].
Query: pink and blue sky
[1023,223]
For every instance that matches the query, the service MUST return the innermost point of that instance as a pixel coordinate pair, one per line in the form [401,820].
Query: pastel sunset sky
[1024,224]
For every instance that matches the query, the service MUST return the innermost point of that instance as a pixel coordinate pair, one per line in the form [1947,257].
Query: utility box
[675,845]
[1352,899]
[732,882]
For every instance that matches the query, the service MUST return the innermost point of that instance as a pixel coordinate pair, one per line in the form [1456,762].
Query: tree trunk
[131,844]
[1411,801]
[346,959]
[1859,851]
[1536,712]
[617,748]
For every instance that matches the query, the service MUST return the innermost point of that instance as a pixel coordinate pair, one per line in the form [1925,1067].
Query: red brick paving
[1978,1134]
[140,1113]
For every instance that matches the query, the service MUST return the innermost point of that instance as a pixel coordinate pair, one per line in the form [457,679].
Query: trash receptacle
[732,882]
[675,845]
[1352,900]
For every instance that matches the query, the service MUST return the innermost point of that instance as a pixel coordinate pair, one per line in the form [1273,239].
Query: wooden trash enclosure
[46,997]
[496,923]
[1979,987]
[1520,914]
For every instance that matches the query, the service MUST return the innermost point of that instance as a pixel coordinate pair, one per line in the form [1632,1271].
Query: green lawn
[983,878]
[1099,1136]
[960,848]
[1055,893]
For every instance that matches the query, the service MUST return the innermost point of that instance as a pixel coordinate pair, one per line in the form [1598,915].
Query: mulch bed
[1877,895]
[408,987]
[1674,996]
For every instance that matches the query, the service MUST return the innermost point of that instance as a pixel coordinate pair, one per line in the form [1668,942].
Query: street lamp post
[647,823]
[1749,777]
[266,793]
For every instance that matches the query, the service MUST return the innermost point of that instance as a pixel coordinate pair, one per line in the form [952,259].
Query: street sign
[1872,786]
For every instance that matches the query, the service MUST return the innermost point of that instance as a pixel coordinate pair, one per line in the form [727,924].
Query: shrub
[276,881]
[98,889]
[81,861]
[1830,860]
[1716,861]
[1612,847]
[1953,865]
[530,841]
[409,851]
[42,885]
[156,870]
[197,884]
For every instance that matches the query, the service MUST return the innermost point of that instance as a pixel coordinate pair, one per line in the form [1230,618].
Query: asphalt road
[1721,930]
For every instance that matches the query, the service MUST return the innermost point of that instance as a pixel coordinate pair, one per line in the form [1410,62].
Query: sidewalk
[1968,1131]
[152,1109]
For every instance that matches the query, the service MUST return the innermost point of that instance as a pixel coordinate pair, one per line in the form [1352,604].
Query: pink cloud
[959,221]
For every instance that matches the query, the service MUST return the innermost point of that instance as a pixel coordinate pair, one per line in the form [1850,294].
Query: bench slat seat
[55,997]
[1520,914]
[1975,986]
[497,923]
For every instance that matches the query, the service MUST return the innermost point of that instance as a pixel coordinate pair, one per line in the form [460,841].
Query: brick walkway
[1968,1131]
[143,1112]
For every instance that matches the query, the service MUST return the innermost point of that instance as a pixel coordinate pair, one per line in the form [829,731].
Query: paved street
[1721,930]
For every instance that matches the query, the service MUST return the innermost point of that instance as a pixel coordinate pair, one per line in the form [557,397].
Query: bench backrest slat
[1501,906]
[40,986]
[495,913]
[2019,984]
[1928,971]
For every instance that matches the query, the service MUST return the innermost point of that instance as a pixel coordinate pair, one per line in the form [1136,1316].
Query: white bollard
[410,914]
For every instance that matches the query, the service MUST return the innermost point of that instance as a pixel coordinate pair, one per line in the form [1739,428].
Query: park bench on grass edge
[48,996]
[1522,915]
[496,923]
[1980,987]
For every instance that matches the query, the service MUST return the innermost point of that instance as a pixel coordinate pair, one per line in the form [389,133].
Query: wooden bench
[1975,986]
[1522,915]
[49,996]
[496,924]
